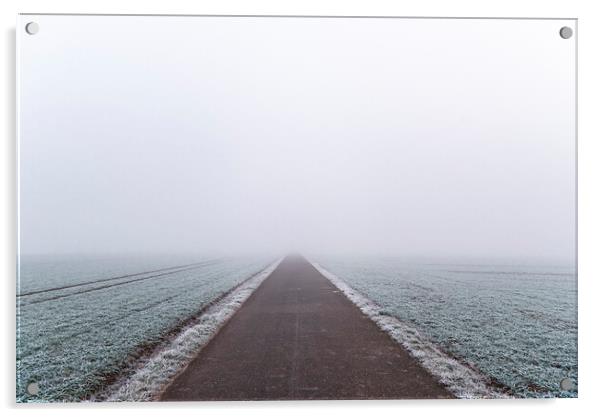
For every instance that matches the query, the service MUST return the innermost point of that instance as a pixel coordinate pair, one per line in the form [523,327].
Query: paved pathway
[298,337]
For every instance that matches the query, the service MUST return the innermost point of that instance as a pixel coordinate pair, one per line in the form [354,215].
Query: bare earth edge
[462,380]
[155,372]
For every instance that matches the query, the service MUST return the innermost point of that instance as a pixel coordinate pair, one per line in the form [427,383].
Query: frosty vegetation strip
[157,371]
[460,379]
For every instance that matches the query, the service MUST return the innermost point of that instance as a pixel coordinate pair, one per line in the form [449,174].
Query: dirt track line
[82,284]
[57,297]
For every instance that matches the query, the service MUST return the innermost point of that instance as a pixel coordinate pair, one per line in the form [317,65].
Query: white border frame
[589,174]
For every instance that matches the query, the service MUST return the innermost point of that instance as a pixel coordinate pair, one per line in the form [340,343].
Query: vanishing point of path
[298,337]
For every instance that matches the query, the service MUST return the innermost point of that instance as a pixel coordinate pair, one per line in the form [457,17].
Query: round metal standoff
[566,384]
[566,32]
[32,28]
[33,388]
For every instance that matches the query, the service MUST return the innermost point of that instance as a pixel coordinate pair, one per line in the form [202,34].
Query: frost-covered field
[81,321]
[517,324]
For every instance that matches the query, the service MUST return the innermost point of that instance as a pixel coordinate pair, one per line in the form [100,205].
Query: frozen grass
[42,272]
[516,324]
[152,374]
[73,341]
[462,380]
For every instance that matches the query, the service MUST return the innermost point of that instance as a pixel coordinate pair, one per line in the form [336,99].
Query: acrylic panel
[268,208]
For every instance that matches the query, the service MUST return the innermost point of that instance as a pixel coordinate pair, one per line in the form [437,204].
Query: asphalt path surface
[298,337]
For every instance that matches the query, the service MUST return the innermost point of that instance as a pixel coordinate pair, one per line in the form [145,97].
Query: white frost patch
[154,373]
[460,379]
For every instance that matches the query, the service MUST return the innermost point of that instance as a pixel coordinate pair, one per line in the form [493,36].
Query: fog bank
[363,136]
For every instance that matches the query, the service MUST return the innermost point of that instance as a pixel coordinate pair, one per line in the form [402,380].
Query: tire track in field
[113,278]
[102,287]
[203,307]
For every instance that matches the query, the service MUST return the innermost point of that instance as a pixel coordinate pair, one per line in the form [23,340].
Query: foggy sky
[366,136]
